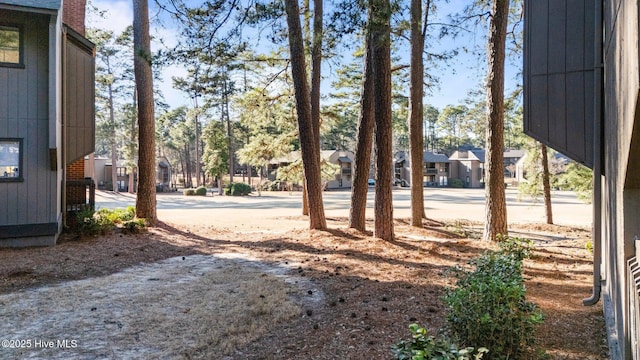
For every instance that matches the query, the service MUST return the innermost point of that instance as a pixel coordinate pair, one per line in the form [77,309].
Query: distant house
[103,167]
[468,166]
[511,157]
[435,169]
[47,118]
[342,158]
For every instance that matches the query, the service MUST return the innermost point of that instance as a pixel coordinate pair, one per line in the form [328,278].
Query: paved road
[440,203]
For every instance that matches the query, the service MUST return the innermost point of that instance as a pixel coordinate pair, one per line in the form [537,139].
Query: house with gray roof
[468,167]
[435,169]
[47,117]
[342,158]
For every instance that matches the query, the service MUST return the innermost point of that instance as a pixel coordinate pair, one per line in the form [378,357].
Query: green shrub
[134,226]
[425,347]
[88,223]
[488,305]
[201,191]
[456,183]
[188,192]
[237,189]
[92,222]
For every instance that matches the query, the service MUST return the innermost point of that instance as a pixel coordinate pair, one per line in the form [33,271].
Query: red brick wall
[75,171]
[74,14]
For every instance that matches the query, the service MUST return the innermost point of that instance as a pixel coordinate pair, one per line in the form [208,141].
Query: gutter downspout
[597,158]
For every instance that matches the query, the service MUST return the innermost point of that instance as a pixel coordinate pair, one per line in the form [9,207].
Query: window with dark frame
[11,160]
[10,46]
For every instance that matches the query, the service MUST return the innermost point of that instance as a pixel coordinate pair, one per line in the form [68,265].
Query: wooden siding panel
[24,114]
[557,42]
[576,115]
[29,206]
[4,188]
[79,99]
[4,84]
[557,110]
[589,79]
[564,91]
[539,107]
[538,45]
[575,36]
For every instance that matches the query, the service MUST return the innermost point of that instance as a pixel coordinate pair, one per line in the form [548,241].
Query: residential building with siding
[581,96]
[46,116]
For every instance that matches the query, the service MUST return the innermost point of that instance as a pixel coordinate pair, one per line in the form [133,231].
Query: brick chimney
[74,14]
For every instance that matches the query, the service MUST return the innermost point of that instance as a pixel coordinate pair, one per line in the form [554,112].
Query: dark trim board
[30,230]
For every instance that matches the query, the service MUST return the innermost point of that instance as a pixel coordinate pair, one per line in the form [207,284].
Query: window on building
[10,160]
[10,46]
[122,171]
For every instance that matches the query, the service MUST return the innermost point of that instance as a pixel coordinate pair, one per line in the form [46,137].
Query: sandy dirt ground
[250,282]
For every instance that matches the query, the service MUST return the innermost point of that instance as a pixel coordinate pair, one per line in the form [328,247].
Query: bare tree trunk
[146,197]
[305,197]
[416,114]
[132,141]
[310,152]
[220,188]
[114,154]
[381,37]
[496,207]
[545,184]
[187,155]
[197,141]
[364,140]
[229,132]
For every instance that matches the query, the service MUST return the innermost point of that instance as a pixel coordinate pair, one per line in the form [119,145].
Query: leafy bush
[201,191]
[188,192]
[88,223]
[92,222]
[456,183]
[488,305]
[134,226]
[116,216]
[425,347]
[237,189]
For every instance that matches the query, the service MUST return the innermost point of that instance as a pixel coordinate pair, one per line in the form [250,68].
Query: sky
[455,81]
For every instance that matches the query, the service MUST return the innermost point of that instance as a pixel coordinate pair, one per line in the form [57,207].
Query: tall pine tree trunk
[146,197]
[496,207]
[416,93]
[310,150]
[229,132]
[545,184]
[316,63]
[364,141]
[381,37]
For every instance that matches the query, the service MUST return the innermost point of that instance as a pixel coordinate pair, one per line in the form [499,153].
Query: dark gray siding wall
[621,186]
[24,114]
[559,70]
